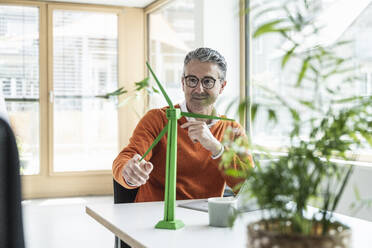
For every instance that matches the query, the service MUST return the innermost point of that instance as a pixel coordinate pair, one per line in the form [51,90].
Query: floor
[62,222]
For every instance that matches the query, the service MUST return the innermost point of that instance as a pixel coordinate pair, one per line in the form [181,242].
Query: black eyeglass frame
[200,80]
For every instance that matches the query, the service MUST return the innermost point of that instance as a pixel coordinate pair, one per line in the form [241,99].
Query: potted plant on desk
[334,126]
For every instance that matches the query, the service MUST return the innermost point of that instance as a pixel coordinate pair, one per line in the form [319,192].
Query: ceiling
[125,3]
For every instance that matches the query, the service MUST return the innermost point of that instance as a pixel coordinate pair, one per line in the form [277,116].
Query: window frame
[57,184]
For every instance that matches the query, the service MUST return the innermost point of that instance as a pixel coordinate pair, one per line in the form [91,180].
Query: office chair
[123,195]
[11,225]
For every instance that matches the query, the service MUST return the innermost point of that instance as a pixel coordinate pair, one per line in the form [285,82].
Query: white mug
[220,210]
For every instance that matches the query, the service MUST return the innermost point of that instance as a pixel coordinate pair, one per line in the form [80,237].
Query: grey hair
[204,54]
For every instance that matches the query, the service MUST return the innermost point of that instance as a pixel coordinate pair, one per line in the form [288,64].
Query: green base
[173,225]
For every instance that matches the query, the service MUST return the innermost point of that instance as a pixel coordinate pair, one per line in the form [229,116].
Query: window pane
[19,79]
[348,21]
[84,68]
[183,25]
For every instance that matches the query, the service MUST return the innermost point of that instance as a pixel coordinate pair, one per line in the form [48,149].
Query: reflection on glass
[183,25]
[171,36]
[346,21]
[19,80]
[84,66]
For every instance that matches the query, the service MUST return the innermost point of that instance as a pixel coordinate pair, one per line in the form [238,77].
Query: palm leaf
[143,84]
[288,55]
[269,27]
[305,66]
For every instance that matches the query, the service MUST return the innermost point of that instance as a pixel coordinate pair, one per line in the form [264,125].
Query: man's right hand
[136,173]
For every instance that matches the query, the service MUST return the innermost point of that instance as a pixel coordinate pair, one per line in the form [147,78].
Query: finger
[137,157]
[140,172]
[192,123]
[193,138]
[195,128]
[129,179]
[200,132]
[195,133]
[149,167]
[135,178]
[142,165]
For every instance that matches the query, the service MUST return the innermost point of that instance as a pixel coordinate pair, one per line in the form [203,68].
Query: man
[199,140]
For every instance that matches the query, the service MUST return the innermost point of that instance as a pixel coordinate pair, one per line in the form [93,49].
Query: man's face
[200,97]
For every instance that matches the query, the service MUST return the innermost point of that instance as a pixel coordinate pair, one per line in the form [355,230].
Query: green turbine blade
[211,117]
[161,87]
[165,129]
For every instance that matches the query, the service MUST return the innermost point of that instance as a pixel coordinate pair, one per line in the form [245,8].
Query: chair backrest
[11,225]
[123,195]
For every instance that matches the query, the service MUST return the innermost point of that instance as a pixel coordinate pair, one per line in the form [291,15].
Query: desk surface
[134,223]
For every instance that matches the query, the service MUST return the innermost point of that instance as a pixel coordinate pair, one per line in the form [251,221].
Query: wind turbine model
[172,114]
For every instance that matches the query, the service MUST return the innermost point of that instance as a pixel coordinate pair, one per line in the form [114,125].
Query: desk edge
[119,233]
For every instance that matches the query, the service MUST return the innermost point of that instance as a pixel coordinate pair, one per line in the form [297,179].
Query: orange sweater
[198,175]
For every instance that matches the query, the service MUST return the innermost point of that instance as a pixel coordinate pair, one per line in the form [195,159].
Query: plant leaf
[349,99]
[294,114]
[143,84]
[272,115]
[254,111]
[367,136]
[242,110]
[235,173]
[269,27]
[117,92]
[288,55]
[308,104]
[301,75]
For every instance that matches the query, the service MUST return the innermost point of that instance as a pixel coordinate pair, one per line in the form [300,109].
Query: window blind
[19,51]
[84,53]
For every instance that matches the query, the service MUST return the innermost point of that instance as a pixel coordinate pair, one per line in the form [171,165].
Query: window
[57,63]
[347,21]
[85,55]
[19,80]
[182,25]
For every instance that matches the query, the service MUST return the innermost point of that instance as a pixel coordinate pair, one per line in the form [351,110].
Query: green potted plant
[331,130]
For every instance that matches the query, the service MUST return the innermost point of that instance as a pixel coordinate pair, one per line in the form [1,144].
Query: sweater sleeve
[143,136]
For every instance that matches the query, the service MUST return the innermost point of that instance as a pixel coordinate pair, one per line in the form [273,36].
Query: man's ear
[183,83]
[223,84]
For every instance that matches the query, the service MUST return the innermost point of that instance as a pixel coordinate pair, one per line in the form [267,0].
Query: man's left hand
[199,132]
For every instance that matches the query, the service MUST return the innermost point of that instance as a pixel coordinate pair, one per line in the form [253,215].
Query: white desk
[134,224]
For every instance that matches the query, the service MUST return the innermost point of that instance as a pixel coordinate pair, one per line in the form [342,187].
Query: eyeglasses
[207,82]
